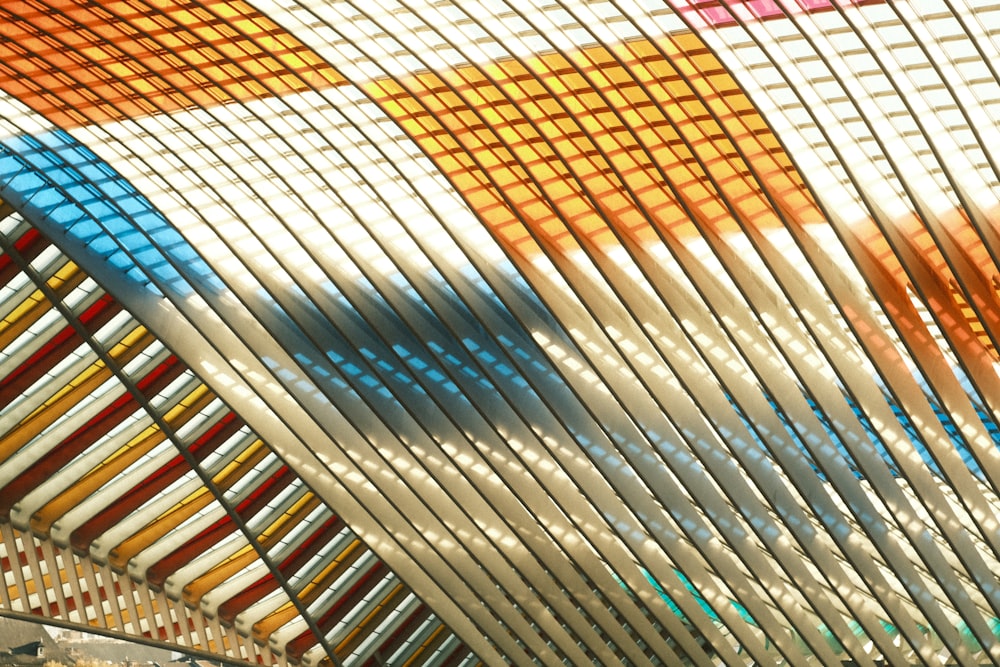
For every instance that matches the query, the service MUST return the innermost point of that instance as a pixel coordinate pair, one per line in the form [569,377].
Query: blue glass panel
[53,177]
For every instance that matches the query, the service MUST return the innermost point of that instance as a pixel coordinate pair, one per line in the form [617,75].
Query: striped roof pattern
[446,333]
[137,502]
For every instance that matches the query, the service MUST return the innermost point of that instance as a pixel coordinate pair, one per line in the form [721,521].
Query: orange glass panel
[79,61]
[557,157]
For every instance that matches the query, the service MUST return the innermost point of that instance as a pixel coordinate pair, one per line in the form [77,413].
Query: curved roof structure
[544,332]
